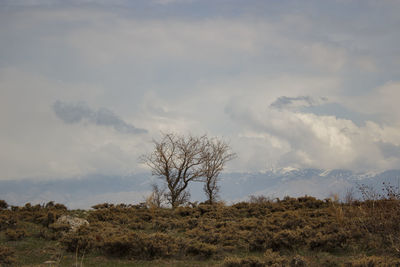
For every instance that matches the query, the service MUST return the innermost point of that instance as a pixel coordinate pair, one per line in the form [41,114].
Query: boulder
[73,222]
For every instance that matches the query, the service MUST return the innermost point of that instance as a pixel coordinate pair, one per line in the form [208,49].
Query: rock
[298,261]
[73,222]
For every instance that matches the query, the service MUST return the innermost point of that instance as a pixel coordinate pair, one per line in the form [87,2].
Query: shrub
[139,245]
[60,227]
[272,258]
[61,207]
[7,220]
[311,202]
[260,199]
[6,256]
[329,241]
[121,246]
[3,204]
[102,206]
[371,261]
[286,239]
[184,211]
[15,234]
[80,240]
[258,239]
[201,249]
[48,234]
[159,245]
[243,262]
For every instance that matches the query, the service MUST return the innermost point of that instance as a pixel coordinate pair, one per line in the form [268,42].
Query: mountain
[299,182]
[86,191]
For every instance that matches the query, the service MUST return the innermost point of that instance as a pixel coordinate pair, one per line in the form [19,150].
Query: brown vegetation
[289,232]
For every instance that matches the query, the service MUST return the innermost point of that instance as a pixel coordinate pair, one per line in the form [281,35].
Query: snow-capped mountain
[297,182]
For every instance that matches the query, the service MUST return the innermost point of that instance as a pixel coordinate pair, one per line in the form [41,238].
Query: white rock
[74,222]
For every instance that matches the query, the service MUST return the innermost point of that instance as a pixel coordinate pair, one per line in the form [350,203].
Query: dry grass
[291,232]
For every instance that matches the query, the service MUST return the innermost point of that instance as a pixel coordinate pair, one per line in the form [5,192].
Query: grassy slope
[303,230]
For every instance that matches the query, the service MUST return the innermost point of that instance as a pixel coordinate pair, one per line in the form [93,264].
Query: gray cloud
[216,50]
[300,101]
[80,112]
[389,150]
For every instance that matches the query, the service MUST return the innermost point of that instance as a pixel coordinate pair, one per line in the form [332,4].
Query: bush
[15,234]
[201,249]
[272,258]
[48,234]
[286,239]
[372,261]
[329,242]
[121,246]
[159,245]
[6,256]
[7,220]
[80,240]
[243,262]
[3,204]
[59,227]
[139,245]
[102,206]
[259,239]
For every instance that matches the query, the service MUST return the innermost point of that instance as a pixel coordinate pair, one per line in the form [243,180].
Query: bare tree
[349,196]
[157,197]
[216,155]
[178,160]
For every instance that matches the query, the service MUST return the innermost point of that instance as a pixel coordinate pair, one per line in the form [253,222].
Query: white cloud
[309,140]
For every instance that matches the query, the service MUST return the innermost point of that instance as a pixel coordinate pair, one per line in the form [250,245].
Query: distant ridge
[86,191]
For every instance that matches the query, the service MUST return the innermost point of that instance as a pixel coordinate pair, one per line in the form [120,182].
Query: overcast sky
[85,85]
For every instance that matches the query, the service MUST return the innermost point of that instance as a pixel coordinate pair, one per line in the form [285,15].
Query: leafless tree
[178,160]
[349,196]
[216,155]
[157,197]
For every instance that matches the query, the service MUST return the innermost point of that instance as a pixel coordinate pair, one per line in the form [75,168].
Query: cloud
[327,56]
[382,100]
[389,150]
[179,69]
[72,113]
[304,139]
[300,101]
[168,2]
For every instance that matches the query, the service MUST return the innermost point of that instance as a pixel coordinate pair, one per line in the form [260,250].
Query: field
[261,232]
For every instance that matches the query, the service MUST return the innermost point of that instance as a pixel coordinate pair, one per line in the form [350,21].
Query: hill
[300,231]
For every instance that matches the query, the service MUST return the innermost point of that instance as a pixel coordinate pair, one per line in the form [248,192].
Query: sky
[85,86]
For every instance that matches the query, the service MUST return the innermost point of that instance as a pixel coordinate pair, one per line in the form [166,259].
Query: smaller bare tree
[216,155]
[157,197]
[349,196]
